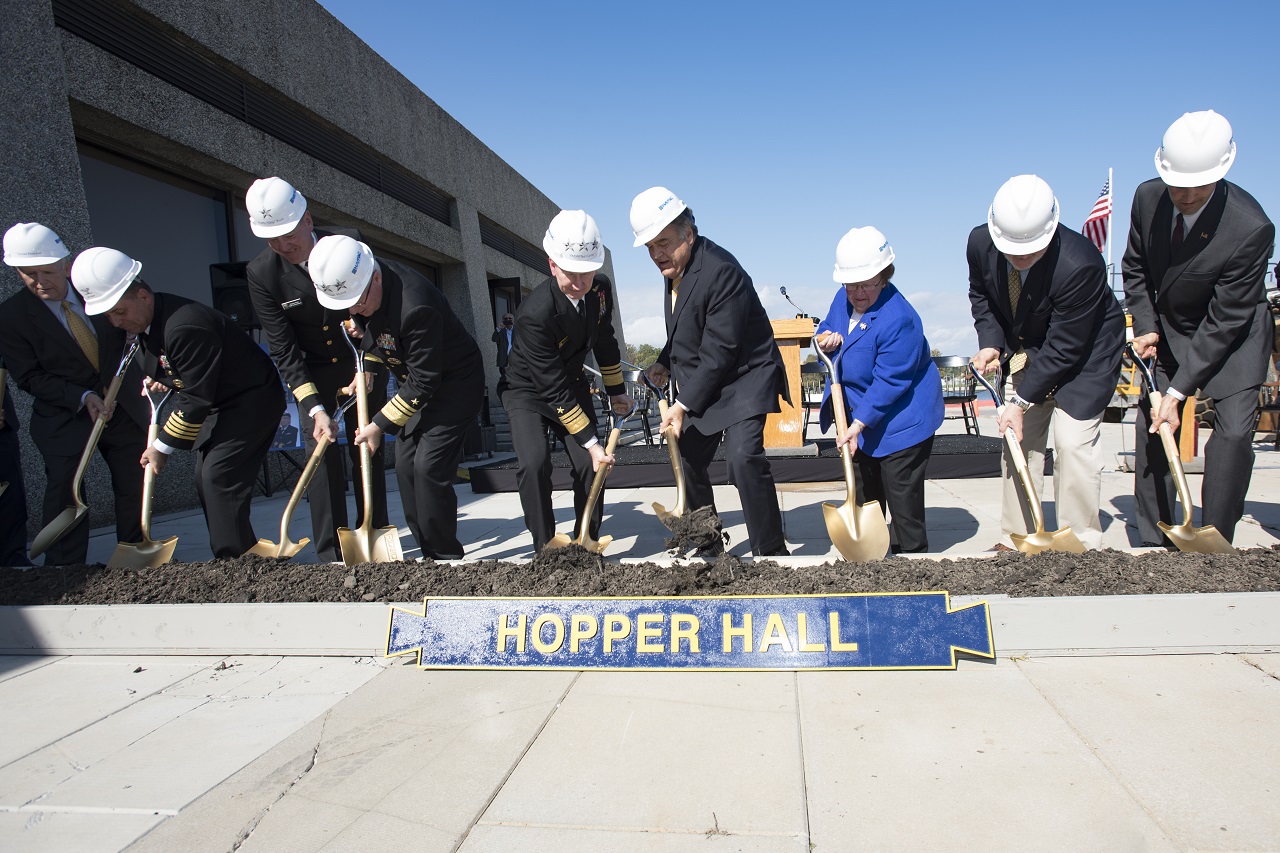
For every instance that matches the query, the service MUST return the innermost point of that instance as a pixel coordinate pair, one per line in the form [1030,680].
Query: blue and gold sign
[910,630]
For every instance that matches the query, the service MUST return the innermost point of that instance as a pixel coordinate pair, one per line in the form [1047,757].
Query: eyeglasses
[864,287]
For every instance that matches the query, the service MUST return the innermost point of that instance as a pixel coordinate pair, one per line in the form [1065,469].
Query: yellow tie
[1019,360]
[675,287]
[82,333]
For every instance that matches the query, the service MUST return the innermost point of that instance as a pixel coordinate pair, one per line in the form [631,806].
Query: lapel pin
[862,326]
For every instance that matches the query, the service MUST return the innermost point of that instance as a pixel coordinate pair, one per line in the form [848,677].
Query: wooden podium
[786,428]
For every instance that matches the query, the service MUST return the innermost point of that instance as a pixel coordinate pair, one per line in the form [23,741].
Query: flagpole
[1110,231]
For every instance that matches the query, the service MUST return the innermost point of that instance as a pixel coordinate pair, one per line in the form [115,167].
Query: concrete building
[139,124]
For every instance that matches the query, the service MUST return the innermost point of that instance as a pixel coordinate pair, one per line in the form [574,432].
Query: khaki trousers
[1077,471]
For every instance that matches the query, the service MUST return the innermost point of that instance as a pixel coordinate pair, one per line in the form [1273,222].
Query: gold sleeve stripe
[371,357]
[179,428]
[575,420]
[398,411]
[302,392]
[612,374]
[561,343]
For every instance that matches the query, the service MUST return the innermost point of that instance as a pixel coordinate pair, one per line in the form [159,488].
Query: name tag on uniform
[292,303]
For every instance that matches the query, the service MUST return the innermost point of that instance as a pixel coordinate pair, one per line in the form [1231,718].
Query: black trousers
[228,461]
[528,435]
[896,481]
[749,471]
[1228,466]
[121,446]
[327,492]
[426,467]
[13,501]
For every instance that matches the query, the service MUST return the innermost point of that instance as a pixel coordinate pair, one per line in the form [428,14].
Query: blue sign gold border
[856,631]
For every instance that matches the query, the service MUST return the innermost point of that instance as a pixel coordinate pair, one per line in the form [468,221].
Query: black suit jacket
[210,362]
[301,333]
[500,338]
[720,346]
[46,362]
[428,350]
[551,343]
[1068,321]
[1207,302]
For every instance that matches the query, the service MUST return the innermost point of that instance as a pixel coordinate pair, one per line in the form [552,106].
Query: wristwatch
[1021,403]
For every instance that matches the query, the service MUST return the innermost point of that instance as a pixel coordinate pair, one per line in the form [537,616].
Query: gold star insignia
[559,410]
[415,401]
[179,413]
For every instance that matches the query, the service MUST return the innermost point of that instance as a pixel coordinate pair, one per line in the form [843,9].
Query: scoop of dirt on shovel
[698,528]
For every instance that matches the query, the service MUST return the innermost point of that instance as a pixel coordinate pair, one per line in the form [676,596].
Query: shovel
[1196,540]
[669,518]
[69,517]
[287,549]
[149,553]
[365,544]
[561,540]
[1040,539]
[858,531]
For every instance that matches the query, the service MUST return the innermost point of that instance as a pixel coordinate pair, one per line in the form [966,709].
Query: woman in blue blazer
[892,390]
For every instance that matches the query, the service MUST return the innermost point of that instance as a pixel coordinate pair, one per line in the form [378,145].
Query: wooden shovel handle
[366,455]
[1024,474]
[113,391]
[1174,455]
[148,486]
[597,485]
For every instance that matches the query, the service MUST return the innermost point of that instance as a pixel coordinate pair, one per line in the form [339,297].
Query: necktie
[82,333]
[582,308]
[675,288]
[1179,234]
[1019,360]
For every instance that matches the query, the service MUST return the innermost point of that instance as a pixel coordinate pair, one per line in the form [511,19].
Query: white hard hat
[30,244]
[653,210]
[340,268]
[101,276]
[573,242]
[1023,215]
[1197,149]
[861,255]
[275,207]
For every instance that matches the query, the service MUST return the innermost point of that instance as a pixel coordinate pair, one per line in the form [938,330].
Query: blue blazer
[889,379]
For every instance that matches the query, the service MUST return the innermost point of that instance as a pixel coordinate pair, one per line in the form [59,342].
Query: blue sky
[783,126]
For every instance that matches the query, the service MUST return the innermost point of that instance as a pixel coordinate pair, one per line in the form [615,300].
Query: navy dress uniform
[228,396]
[406,323]
[545,384]
[306,342]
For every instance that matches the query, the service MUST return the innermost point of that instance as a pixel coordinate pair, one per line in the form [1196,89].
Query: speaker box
[231,294]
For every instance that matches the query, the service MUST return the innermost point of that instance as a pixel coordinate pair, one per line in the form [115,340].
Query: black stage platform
[640,465]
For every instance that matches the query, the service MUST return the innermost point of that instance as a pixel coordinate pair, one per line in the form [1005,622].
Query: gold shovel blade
[370,545]
[284,551]
[148,554]
[1197,540]
[560,540]
[858,532]
[1057,540]
[56,529]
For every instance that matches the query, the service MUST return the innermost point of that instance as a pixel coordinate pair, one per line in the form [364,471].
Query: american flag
[1095,227]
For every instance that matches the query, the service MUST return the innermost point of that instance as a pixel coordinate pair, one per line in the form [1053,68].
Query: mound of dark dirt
[575,572]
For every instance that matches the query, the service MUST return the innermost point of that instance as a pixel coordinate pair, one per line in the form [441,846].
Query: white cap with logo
[573,241]
[101,276]
[340,268]
[30,244]
[653,210]
[275,207]
[1196,150]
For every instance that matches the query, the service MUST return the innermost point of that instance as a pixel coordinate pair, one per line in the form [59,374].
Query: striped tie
[1019,360]
[82,333]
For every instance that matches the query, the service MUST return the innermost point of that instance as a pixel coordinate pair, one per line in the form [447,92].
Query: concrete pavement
[1141,723]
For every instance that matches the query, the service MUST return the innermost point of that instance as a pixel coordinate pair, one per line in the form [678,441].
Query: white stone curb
[1096,625]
